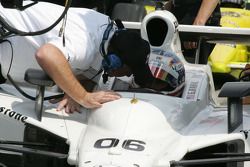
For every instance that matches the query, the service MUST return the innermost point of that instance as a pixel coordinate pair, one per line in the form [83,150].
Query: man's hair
[133,51]
[130,47]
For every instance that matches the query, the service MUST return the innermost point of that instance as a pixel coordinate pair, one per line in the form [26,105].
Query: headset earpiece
[111,62]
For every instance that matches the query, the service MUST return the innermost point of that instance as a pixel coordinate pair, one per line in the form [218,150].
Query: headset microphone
[105,77]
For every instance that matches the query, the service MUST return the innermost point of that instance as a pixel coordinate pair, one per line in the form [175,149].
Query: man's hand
[91,100]
[66,103]
[190,45]
[96,99]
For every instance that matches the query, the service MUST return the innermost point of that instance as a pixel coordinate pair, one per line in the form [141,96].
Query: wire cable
[15,31]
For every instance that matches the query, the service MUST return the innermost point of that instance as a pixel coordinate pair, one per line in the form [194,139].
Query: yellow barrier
[224,55]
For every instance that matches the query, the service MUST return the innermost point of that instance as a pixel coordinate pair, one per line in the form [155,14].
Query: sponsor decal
[12,114]
[230,14]
[133,145]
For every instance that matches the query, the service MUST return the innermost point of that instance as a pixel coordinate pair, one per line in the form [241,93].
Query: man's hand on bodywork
[91,100]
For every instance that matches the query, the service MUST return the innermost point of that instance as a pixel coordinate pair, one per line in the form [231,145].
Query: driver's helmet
[166,66]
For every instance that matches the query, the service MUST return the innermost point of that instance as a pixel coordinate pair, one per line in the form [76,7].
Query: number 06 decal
[134,145]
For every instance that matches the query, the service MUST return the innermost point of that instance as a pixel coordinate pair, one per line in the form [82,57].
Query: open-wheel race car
[144,128]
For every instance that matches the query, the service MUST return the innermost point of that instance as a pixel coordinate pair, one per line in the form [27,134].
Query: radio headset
[110,60]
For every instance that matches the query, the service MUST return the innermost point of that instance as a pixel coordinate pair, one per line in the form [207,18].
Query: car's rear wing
[234,91]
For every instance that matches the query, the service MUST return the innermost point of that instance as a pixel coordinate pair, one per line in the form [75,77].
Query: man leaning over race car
[85,32]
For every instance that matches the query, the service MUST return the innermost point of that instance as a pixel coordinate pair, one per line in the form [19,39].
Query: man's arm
[206,9]
[51,59]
